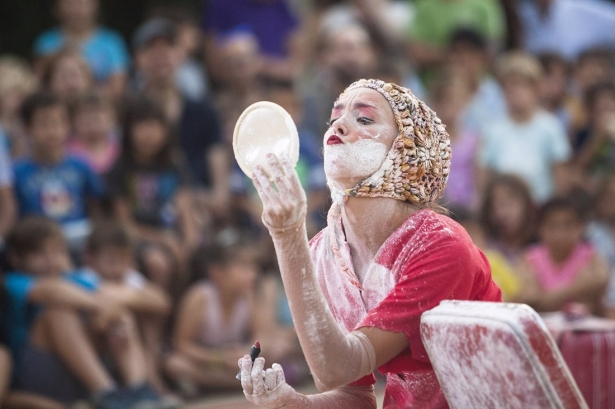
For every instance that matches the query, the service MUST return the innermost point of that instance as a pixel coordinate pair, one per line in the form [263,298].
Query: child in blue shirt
[51,183]
[49,321]
[104,49]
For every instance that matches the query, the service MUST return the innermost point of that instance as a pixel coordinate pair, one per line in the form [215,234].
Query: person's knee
[49,320]
[176,366]
[159,265]
[124,333]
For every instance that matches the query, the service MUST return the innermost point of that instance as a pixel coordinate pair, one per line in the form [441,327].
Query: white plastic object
[264,127]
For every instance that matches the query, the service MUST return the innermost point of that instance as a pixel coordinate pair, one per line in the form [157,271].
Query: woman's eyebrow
[366,107]
[357,105]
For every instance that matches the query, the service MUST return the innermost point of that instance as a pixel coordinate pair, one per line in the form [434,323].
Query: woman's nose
[341,127]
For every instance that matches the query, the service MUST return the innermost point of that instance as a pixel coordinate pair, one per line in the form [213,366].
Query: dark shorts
[44,374]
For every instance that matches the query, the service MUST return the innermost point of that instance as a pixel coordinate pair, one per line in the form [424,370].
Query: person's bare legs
[127,348]
[62,331]
[181,368]
[159,266]
[151,328]
[6,368]
[24,400]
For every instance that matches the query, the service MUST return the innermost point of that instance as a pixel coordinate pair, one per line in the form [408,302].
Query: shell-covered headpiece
[417,165]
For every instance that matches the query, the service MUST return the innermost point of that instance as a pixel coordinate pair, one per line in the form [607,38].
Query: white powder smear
[354,161]
[485,359]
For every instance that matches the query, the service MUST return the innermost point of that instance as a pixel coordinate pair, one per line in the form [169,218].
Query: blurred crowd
[135,267]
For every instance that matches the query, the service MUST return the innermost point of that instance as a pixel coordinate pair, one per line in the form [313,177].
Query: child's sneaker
[112,399]
[145,397]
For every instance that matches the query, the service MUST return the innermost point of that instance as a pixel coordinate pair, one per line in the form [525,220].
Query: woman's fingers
[270,379]
[258,378]
[293,178]
[266,192]
[279,374]
[245,364]
[281,179]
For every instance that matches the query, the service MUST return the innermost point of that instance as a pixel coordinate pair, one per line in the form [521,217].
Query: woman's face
[507,211]
[361,132]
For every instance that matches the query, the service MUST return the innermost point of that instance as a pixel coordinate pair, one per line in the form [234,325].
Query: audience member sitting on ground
[67,75]
[562,268]
[149,190]
[104,50]
[194,122]
[94,132]
[451,96]
[17,81]
[110,261]
[469,56]
[507,215]
[596,142]
[601,233]
[51,183]
[218,318]
[502,271]
[50,318]
[528,142]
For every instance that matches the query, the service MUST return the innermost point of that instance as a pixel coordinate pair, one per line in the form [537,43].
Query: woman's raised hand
[284,201]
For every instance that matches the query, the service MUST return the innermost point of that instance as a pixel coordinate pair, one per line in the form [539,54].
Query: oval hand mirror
[264,127]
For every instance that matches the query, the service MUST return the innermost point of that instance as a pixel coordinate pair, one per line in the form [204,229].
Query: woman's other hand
[285,203]
[266,388]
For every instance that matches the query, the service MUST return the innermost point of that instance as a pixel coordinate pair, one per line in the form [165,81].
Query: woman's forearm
[345,397]
[335,358]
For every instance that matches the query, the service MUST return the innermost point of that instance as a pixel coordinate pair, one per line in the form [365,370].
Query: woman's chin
[344,180]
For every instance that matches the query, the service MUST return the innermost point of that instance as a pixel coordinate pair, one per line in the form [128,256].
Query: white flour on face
[354,161]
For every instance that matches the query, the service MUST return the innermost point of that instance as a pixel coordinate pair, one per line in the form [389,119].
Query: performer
[358,289]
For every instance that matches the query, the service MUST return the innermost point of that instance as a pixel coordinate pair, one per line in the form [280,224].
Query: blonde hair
[518,63]
[15,74]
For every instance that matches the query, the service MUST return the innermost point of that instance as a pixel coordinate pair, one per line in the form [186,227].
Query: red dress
[428,259]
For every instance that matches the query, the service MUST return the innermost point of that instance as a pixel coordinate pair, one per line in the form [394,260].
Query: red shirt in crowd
[428,259]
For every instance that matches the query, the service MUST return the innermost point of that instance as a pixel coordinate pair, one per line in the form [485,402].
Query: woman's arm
[269,389]
[335,358]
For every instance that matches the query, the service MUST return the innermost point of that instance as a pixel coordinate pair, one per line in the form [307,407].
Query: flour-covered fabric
[428,259]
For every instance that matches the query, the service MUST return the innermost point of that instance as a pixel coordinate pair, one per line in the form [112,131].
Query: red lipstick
[254,352]
[334,140]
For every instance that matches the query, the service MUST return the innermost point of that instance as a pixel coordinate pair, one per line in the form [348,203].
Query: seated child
[601,233]
[94,141]
[50,322]
[562,268]
[217,319]
[507,216]
[528,142]
[149,189]
[51,183]
[596,154]
[6,364]
[502,271]
[109,257]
